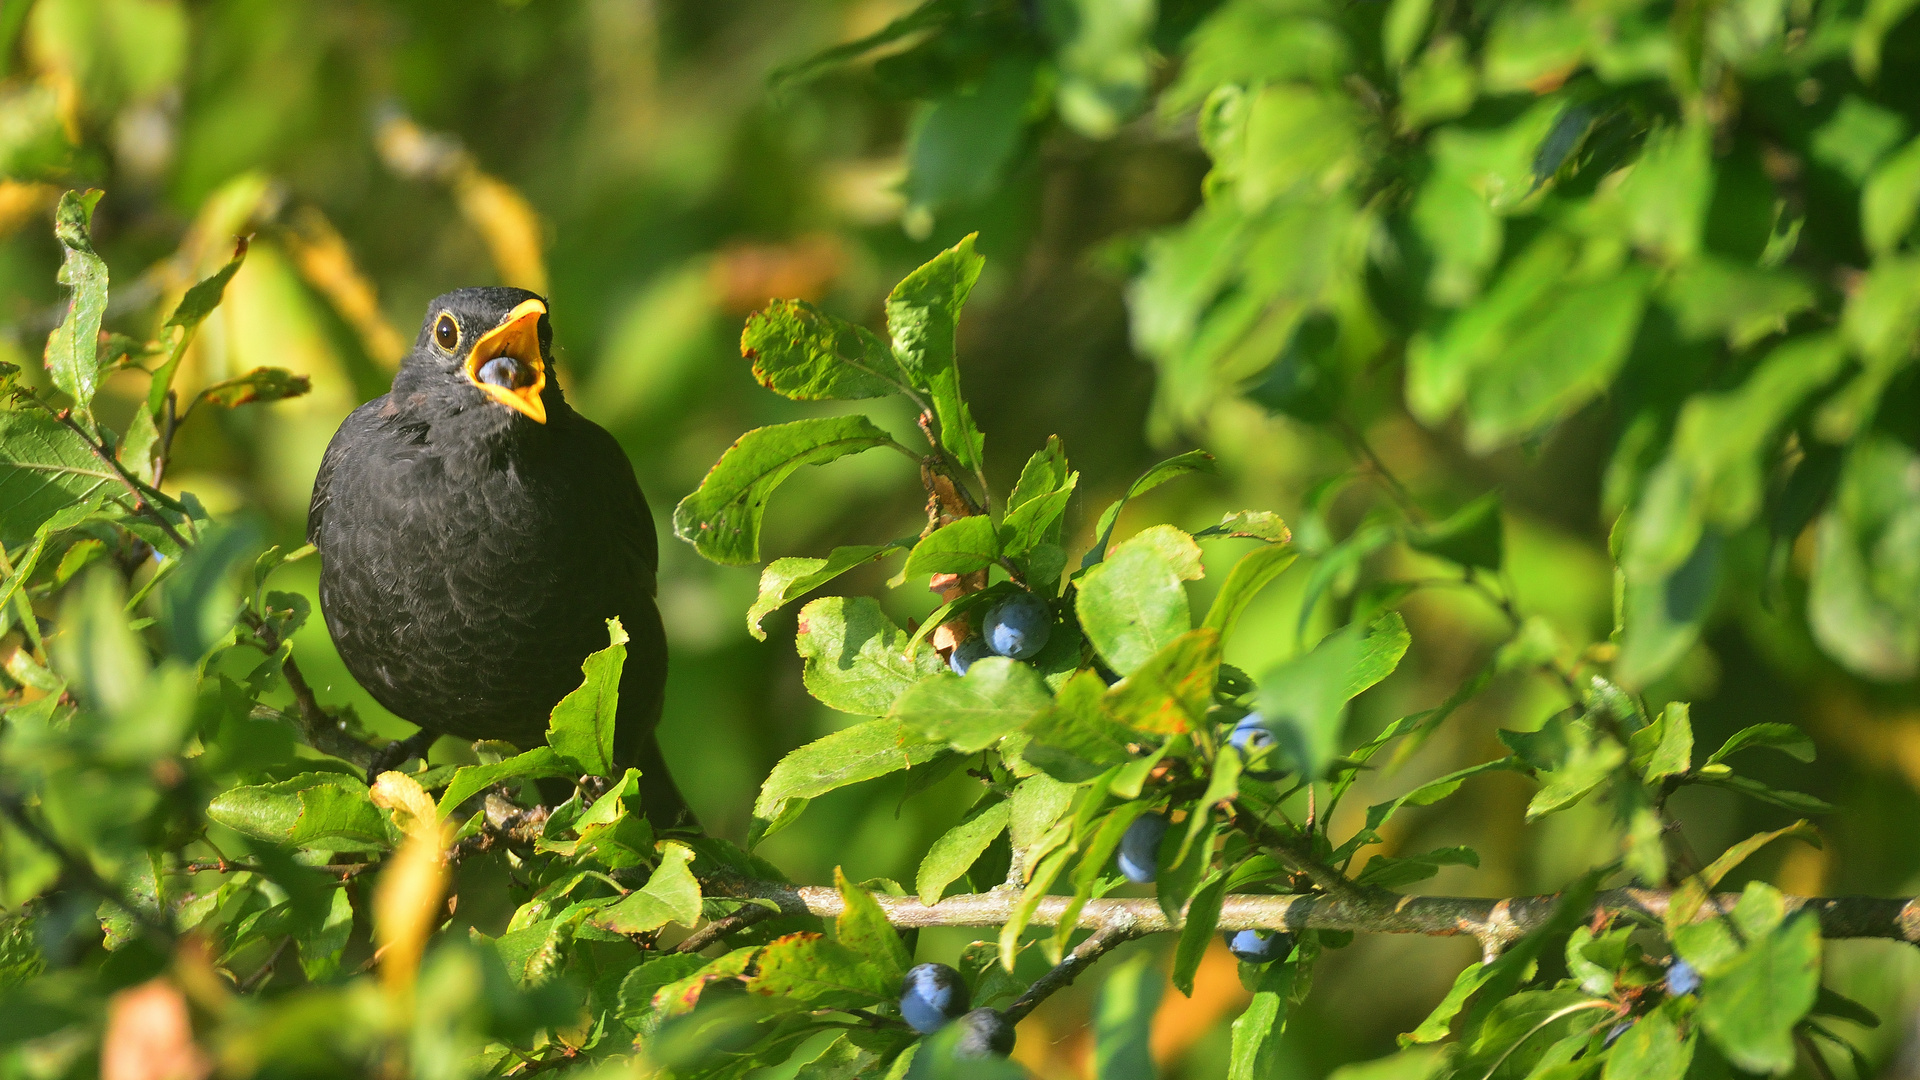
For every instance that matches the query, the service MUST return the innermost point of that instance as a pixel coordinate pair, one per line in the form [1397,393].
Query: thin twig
[81,871]
[1495,921]
[721,927]
[265,970]
[1070,966]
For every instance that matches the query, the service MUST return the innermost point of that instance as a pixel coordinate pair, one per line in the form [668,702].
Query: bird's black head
[492,342]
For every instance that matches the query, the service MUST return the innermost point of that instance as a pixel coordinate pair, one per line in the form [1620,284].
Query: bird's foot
[395,754]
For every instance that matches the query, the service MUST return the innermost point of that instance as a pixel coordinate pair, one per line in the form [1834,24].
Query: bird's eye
[446,332]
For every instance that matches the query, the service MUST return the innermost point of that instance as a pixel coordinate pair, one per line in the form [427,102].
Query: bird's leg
[394,754]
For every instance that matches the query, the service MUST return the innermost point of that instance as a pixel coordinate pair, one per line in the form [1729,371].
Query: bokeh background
[630,158]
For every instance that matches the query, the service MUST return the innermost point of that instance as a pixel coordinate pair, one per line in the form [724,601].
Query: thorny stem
[1070,966]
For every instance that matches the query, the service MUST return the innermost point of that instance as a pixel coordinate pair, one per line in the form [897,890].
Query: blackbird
[476,533]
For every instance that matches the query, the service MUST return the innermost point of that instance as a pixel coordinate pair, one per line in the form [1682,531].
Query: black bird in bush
[476,534]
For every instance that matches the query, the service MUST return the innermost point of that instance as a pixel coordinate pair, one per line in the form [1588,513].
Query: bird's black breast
[464,579]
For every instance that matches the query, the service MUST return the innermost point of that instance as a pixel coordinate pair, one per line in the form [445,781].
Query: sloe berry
[965,653]
[984,1033]
[1139,857]
[933,995]
[1259,946]
[1682,978]
[505,371]
[1018,626]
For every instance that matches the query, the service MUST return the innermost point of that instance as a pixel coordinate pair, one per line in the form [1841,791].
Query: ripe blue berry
[1018,626]
[506,372]
[1139,857]
[965,653]
[933,995]
[984,1033]
[1251,734]
[1259,946]
[1682,978]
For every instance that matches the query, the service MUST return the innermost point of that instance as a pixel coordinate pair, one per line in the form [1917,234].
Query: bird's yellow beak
[518,337]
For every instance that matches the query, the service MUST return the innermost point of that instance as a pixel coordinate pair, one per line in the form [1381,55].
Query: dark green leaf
[1132,604]
[581,727]
[670,895]
[1179,465]
[45,467]
[1750,1006]
[958,849]
[470,780]
[847,756]
[1256,1052]
[193,309]
[1203,914]
[1785,738]
[856,658]
[722,518]
[1471,537]
[1170,692]
[1255,570]
[997,697]
[1123,1020]
[801,352]
[327,811]
[923,315]
[1665,747]
[960,547]
[786,580]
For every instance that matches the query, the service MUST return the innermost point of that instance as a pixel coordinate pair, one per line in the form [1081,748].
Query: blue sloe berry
[1018,626]
[1259,946]
[1139,857]
[1682,978]
[506,372]
[932,996]
[1614,1032]
[984,1033]
[965,653]
[1251,734]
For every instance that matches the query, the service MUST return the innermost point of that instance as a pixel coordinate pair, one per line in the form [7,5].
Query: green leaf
[1192,461]
[199,603]
[1249,525]
[1891,199]
[1665,747]
[325,811]
[1386,641]
[825,974]
[1304,700]
[321,941]
[786,580]
[1256,1052]
[193,309]
[801,352]
[1661,617]
[1667,193]
[1750,1006]
[73,349]
[848,756]
[1785,738]
[1856,137]
[670,895]
[958,849]
[1255,571]
[1202,915]
[856,659]
[1530,45]
[1863,603]
[1399,871]
[470,780]
[1132,604]
[1036,521]
[1170,692]
[863,927]
[1713,297]
[959,547]
[721,519]
[581,727]
[45,467]
[1106,63]
[961,145]
[1571,758]
[1404,29]
[997,697]
[262,384]
[1077,739]
[1471,537]
[923,315]
[1123,1020]
[1045,472]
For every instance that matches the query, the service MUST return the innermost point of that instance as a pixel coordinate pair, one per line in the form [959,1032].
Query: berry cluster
[934,996]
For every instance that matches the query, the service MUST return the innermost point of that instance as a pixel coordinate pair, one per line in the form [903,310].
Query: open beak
[519,338]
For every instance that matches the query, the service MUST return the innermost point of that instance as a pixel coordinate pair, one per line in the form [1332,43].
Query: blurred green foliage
[1570,340]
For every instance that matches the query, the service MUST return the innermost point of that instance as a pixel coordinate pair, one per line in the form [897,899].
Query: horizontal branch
[1496,923]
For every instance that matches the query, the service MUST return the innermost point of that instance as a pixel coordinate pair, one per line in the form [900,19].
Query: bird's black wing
[619,497]
[354,430]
